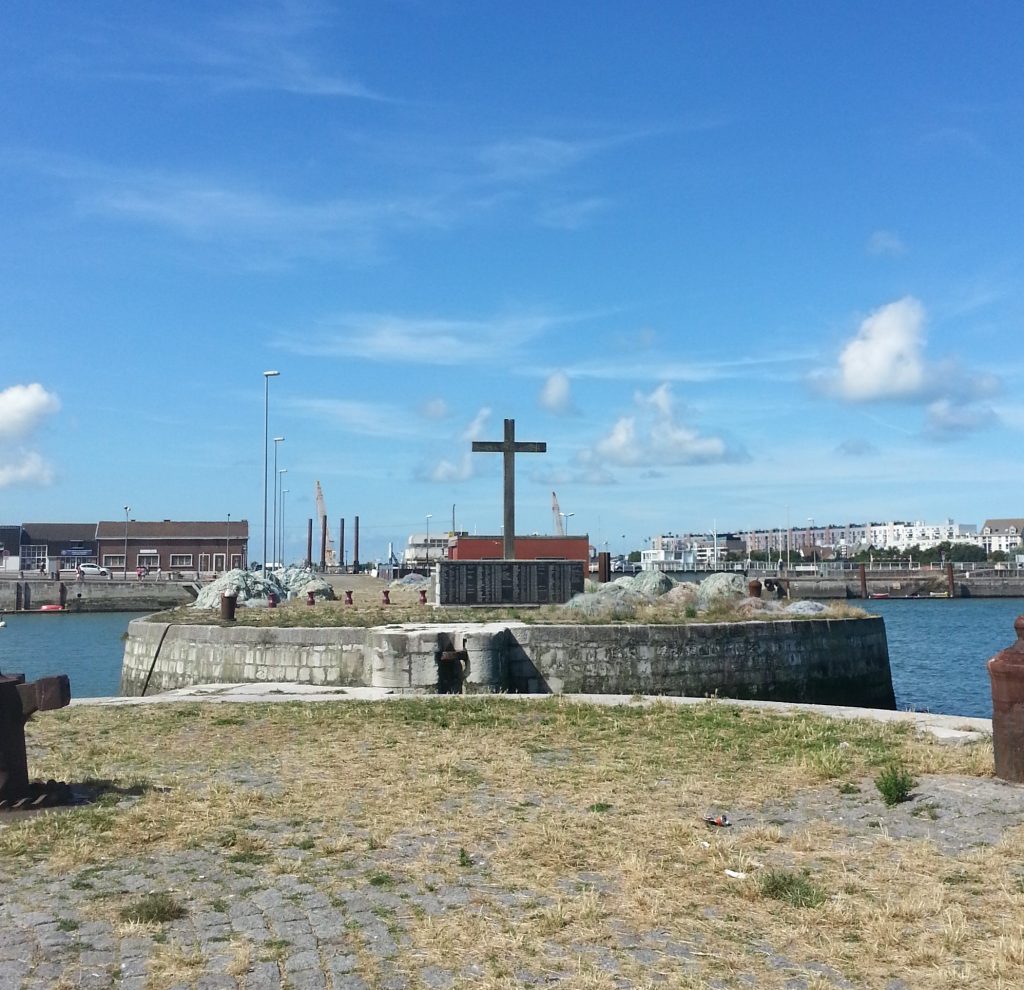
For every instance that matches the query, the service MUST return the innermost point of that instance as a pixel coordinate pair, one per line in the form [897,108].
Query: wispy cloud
[369,419]
[886,243]
[273,49]
[459,467]
[422,340]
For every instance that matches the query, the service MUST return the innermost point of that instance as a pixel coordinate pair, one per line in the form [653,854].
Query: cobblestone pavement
[289,917]
[292,912]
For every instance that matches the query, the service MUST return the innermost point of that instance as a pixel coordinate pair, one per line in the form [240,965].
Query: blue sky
[733,262]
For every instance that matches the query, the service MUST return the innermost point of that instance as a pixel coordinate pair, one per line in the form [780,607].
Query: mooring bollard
[754,588]
[272,600]
[227,607]
[18,701]
[423,596]
[385,597]
[348,597]
[310,600]
[1006,672]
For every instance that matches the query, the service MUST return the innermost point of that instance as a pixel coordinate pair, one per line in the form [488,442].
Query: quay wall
[824,661]
[93,594]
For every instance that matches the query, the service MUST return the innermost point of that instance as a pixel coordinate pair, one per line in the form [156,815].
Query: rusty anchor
[18,702]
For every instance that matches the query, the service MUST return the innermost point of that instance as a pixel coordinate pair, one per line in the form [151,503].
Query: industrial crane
[556,516]
[321,511]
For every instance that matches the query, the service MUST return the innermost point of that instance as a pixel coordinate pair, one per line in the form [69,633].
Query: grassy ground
[577,830]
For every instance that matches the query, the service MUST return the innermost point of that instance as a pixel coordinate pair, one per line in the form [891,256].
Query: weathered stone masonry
[826,661]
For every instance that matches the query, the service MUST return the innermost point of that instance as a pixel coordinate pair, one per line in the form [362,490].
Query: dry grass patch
[575,833]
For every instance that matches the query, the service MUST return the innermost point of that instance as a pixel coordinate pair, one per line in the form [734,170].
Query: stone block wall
[837,661]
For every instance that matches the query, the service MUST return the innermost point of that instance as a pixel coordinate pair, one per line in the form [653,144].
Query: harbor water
[938,649]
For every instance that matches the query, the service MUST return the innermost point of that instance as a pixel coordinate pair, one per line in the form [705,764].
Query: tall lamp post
[280,484]
[273,542]
[267,375]
[284,491]
[429,515]
[566,516]
[127,509]
[227,546]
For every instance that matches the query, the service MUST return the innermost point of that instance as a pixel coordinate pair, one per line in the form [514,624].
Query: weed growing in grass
[895,783]
[67,925]
[153,909]
[848,787]
[793,888]
[464,858]
[600,806]
[381,879]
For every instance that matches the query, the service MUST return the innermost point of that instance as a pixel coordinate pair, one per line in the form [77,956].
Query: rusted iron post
[754,588]
[309,544]
[863,580]
[1006,672]
[18,701]
[604,567]
[423,596]
[950,586]
[385,597]
[355,545]
[348,597]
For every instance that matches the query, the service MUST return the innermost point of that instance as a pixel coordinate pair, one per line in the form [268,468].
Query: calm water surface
[86,646]
[937,647]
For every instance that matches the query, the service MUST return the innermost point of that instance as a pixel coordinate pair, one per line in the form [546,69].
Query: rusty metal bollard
[272,600]
[310,600]
[423,596]
[227,607]
[1006,672]
[18,701]
[385,597]
[754,588]
[348,597]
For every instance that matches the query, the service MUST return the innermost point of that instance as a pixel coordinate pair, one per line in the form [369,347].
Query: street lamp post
[127,509]
[814,546]
[267,375]
[566,516]
[429,517]
[284,491]
[273,542]
[227,546]
[279,483]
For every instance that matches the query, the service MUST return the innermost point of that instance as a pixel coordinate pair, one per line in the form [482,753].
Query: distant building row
[695,549]
[126,545]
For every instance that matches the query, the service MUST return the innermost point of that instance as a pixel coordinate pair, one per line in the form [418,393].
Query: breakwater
[826,661]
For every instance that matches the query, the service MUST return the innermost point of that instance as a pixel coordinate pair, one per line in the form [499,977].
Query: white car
[93,569]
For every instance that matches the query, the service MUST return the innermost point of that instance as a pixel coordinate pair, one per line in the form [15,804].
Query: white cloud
[27,468]
[885,242]
[886,358]
[555,396]
[22,407]
[655,437]
[476,427]
[446,470]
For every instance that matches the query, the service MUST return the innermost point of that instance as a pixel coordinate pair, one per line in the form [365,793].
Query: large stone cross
[509,448]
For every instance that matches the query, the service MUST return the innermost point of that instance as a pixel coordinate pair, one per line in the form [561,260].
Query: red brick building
[191,547]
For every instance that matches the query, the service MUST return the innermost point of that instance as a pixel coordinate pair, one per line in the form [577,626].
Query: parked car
[94,569]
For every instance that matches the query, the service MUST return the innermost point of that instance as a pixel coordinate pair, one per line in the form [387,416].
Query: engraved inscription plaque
[508,582]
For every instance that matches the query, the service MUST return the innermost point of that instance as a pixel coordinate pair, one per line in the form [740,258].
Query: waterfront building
[1002,535]
[192,547]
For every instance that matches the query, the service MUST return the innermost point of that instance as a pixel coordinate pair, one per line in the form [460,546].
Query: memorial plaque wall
[508,582]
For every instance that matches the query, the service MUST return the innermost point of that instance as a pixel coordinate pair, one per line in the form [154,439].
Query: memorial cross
[509,448]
